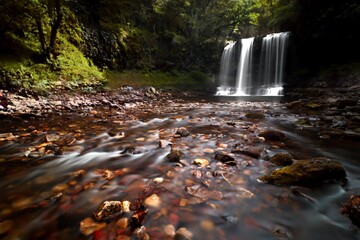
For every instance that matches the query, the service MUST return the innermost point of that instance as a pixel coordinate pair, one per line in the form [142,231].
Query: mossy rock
[307,172]
[282,159]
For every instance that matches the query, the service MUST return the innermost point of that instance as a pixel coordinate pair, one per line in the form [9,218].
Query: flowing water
[46,197]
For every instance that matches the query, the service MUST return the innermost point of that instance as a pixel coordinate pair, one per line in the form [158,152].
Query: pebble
[183,234]
[169,230]
[153,201]
[88,226]
[202,162]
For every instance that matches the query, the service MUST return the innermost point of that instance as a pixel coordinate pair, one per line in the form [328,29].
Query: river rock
[272,135]
[175,155]
[352,209]
[255,115]
[307,172]
[343,103]
[183,132]
[282,159]
[88,226]
[225,158]
[153,201]
[202,162]
[250,151]
[183,234]
[107,210]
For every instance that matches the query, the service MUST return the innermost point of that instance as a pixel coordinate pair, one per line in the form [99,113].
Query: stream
[56,171]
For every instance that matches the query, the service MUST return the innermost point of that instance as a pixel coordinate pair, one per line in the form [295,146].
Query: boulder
[307,172]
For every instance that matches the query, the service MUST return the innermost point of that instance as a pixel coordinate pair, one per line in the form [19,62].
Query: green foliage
[190,80]
[73,66]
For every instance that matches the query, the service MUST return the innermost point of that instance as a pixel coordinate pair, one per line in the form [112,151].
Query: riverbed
[57,170]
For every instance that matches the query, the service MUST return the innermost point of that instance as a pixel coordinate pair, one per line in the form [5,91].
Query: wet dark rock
[138,217]
[352,209]
[254,152]
[343,103]
[307,172]
[183,234]
[108,210]
[183,132]
[224,158]
[175,155]
[255,115]
[272,135]
[282,159]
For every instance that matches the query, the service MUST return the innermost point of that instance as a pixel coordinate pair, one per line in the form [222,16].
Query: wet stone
[153,201]
[175,155]
[224,158]
[254,152]
[201,162]
[307,172]
[88,226]
[273,135]
[183,132]
[183,234]
[255,115]
[352,209]
[282,159]
[108,210]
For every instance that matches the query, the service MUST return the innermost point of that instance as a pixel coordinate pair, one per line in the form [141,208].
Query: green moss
[307,172]
[71,69]
[74,67]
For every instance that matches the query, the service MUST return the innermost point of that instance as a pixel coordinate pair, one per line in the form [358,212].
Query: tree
[35,17]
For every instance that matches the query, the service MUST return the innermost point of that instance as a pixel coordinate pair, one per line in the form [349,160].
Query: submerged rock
[250,151]
[255,115]
[282,159]
[88,226]
[352,209]
[224,158]
[272,135]
[175,155]
[307,172]
[183,234]
[183,132]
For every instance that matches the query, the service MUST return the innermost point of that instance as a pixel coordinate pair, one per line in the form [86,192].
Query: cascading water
[243,77]
[272,63]
[226,68]
[259,73]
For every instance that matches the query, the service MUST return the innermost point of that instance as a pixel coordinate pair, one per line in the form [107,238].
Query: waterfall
[243,77]
[258,69]
[272,63]
[226,69]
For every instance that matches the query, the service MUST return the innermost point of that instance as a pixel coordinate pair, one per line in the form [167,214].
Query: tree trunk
[41,37]
[55,26]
